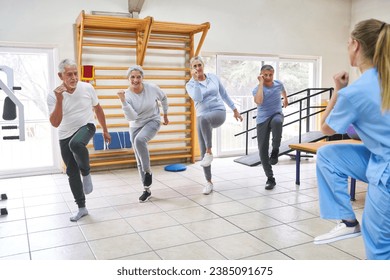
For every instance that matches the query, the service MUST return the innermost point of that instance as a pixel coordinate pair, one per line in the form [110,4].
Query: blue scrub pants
[335,163]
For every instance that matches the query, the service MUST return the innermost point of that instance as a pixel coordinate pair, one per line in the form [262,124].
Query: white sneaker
[207,159]
[339,232]
[208,188]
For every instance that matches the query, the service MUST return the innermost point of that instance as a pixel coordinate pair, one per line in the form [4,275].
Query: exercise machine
[11,103]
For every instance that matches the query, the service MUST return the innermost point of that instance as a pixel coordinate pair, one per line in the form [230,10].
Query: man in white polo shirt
[72,106]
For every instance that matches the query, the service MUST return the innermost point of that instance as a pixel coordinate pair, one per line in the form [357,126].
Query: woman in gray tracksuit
[140,104]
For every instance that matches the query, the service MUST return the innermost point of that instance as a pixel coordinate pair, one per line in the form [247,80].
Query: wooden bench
[312,149]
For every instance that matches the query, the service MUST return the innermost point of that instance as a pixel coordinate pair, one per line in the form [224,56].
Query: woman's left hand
[166,121]
[237,115]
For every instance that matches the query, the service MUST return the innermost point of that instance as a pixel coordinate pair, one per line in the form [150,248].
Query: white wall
[362,10]
[281,27]
[49,21]
[284,27]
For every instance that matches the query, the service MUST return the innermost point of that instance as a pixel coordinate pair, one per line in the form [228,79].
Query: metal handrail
[307,116]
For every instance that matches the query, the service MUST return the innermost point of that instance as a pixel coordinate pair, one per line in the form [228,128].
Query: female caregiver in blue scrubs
[366,105]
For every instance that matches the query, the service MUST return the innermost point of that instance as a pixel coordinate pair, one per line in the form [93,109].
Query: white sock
[87,184]
[82,212]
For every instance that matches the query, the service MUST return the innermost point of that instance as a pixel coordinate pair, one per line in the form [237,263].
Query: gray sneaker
[339,232]
[273,159]
[145,196]
[148,179]
[270,184]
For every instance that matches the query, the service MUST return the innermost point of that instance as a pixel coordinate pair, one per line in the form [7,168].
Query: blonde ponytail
[382,63]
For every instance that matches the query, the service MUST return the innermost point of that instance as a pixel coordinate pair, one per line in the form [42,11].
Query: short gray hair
[198,57]
[64,63]
[135,68]
[266,67]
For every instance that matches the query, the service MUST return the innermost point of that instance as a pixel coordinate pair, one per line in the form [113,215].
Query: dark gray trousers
[76,158]
[273,124]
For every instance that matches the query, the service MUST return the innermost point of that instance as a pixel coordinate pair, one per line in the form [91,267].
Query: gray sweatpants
[140,136]
[273,124]
[205,125]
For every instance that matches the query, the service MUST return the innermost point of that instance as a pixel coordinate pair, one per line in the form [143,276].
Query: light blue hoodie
[209,96]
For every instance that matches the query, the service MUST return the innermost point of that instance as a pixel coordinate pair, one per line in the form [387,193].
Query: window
[239,75]
[34,72]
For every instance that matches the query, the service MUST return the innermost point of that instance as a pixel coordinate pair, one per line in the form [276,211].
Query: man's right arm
[259,97]
[56,114]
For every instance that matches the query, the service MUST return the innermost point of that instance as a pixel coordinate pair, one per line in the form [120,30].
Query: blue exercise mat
[175,167]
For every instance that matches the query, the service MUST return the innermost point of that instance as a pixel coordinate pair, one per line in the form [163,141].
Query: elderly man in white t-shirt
[71,107]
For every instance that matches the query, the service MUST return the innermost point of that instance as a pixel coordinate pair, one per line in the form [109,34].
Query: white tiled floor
[239,220]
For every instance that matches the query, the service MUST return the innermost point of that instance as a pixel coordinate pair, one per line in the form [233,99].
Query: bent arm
[164,102]
[193,89]
[225,97]
[325,128]
[341,80]
[57,113]
[102,121]
[128,110]
[285,100]
[130,113]
[259,97]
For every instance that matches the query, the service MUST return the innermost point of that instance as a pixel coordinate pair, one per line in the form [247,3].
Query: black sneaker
[148,179]
[145,196]
[273,159]
[270,184]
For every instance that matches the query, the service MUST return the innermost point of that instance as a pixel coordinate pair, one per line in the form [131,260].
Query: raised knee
[139,141]
[75,146]
[203,121]
[323,153]
[276,122]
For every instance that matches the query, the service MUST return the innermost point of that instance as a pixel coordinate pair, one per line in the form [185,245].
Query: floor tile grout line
[27,230]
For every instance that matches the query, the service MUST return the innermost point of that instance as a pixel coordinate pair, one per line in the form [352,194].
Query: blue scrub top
[359,104]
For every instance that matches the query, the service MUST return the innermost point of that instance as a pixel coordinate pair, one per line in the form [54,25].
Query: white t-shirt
[77,108]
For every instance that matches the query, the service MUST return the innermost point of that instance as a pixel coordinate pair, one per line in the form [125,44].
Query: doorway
[33,71]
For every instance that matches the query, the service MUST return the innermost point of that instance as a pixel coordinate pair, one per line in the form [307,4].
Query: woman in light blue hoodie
[209,96]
